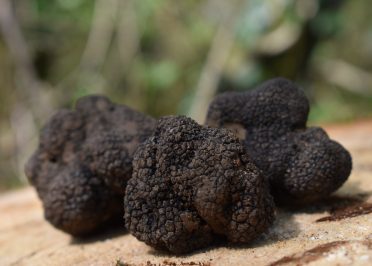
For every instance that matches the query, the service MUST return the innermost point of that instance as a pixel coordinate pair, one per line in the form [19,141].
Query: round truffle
[302,164]
[84,161]
[193,184]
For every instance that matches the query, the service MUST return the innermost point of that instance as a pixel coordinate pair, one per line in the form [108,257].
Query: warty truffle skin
[84,161]
[193,184]
[302,164]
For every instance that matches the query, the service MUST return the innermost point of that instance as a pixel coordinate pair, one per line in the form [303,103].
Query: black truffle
[193,184]
[302,164]
[83,162]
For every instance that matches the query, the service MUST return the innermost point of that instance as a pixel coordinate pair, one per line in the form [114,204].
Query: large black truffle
[192,184]
[303,165]
[83,162]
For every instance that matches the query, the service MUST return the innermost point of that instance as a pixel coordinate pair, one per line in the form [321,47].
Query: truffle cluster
[191,184]
[84,161]
[185,185]
[302,164]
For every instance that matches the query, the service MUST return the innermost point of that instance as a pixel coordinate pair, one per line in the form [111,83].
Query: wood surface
[337,231]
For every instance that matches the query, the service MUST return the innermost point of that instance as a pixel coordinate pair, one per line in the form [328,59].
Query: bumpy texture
[83,162]
[302,164]
[193,184]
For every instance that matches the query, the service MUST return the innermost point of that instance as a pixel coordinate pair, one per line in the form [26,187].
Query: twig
[97,45]
[345,75]
[217,56]
[128,37]
[32,104]
[19,50]
[100,36]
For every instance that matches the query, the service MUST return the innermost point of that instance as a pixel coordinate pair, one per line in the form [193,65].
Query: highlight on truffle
[193,184]
[302,164]
[84,161]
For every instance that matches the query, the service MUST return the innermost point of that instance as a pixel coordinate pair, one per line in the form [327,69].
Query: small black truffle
[83,162]
[302,164]
[193,184]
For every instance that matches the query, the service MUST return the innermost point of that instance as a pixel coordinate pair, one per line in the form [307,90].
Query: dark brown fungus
[84,161]
[192,184]
[302,164]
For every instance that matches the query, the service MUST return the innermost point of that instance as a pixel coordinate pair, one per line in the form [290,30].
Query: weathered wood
[295,239]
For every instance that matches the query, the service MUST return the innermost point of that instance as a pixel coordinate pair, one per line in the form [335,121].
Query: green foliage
[158,50]
[162,75]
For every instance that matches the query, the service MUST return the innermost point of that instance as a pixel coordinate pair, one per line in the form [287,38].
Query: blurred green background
[171,57]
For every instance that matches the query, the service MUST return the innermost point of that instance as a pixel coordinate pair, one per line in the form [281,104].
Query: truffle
[84,161]
[302,164]
[192,185]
